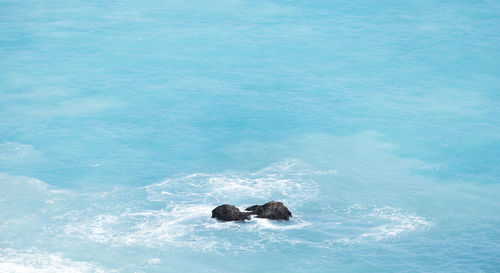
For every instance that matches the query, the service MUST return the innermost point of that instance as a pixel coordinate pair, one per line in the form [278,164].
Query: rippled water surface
[123,124]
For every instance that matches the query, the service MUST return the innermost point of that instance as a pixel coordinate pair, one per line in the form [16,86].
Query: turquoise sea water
[124,123]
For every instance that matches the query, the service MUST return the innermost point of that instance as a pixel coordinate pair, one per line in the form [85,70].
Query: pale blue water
[123,123]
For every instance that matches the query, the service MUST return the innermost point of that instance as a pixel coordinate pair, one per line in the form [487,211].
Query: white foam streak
[399,223]
[147,228]
[266,224]
[388,223]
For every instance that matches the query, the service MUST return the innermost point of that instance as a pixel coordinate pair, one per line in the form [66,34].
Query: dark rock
[272,210]
[229,213]
[253,208]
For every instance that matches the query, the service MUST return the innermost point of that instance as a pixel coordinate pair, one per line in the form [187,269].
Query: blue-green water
[122,124]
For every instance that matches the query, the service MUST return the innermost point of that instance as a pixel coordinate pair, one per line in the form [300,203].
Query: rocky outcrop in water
[272,210]
[229,213]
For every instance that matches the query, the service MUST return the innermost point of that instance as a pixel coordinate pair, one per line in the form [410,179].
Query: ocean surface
[124,123]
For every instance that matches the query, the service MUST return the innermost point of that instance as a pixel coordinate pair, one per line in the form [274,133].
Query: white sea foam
[33,261]
[182,226]
[167,226]
[266,224]
[185,221]
[98,229]
[381,223]
[398,223]
[288,181]
[146,227]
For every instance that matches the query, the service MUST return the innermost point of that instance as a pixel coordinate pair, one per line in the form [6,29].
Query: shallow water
[123,124]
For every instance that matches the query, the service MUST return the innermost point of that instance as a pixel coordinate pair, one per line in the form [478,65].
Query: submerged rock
[272,210]
[229,213]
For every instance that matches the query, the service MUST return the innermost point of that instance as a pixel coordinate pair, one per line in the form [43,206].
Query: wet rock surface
[229,213]
[271,210]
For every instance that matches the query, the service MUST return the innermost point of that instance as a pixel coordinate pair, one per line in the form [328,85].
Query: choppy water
[122,124]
